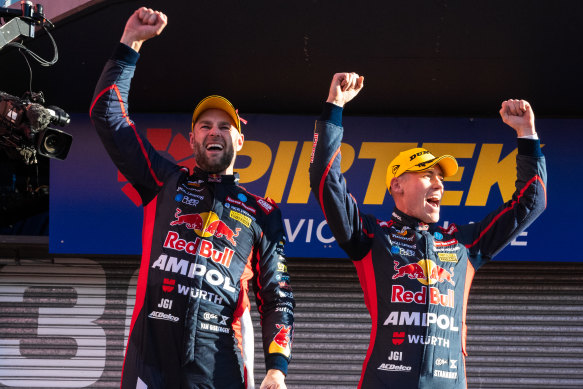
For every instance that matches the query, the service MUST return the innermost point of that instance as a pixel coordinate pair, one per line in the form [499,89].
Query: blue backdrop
[93,210]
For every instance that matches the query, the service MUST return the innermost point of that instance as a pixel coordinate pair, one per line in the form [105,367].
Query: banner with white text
[94,210]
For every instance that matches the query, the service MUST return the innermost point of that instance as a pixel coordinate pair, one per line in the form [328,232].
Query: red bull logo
[425,271]
[202,247]
[205,224]
[401,295]
[281,340]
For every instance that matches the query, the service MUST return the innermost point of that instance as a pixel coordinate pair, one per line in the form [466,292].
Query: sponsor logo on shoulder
[241,204]
[245,220]
[450,242]
[265,205]
[314,144]
[451,229]
[162,316]
[448,257]
[385,223]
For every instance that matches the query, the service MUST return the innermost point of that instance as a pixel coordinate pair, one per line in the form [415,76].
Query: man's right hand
[344,87]
[144,24]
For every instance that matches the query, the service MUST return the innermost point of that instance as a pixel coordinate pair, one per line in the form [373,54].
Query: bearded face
[215,141]
[213,156]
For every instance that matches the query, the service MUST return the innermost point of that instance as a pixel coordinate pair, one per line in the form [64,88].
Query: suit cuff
[332,113]
[529,147]
[124,53]
[276,361]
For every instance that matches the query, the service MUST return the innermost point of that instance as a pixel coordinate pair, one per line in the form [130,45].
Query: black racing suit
[204,238]
[416,277]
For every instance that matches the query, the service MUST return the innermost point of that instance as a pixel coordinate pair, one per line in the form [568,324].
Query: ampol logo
[174,147]
[425,271]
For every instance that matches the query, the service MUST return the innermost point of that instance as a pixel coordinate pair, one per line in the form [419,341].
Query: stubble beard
[213,167]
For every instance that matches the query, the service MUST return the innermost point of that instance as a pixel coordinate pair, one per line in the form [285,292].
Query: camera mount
[20,22]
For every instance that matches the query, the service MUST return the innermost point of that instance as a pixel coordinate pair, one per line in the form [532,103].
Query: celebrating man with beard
[204,238]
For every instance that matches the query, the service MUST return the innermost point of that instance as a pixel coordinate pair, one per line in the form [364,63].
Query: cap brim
[448,165]
[216,102]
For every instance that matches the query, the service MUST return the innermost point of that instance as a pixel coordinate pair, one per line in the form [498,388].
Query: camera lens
[51,144]
[54,143]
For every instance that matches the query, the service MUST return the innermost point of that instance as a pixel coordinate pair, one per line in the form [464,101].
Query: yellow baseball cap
[417,160]
[217,102]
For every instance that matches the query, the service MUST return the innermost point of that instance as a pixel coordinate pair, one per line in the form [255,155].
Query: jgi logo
[165,303]
[395,356]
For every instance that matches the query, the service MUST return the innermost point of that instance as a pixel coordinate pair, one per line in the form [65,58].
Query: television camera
[24,128]
[24,122]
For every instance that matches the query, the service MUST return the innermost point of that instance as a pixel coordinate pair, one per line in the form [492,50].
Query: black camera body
[25,131]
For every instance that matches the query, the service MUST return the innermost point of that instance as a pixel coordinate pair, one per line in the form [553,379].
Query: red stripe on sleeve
[258,280]
[470,272]
[321,189]
[98,97]
[366,277]
[126,117]
[495,219]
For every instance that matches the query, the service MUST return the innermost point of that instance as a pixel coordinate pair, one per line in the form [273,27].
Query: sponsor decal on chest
[206,224]
[241,204]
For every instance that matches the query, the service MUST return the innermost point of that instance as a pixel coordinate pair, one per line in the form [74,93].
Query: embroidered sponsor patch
[448,257]
[245,220]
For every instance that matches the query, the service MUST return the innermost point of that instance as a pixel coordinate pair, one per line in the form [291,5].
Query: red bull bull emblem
[425,271]
[205,225]
[281,340]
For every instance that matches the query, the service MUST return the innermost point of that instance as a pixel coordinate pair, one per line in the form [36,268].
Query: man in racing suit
[204,238]
[415,275]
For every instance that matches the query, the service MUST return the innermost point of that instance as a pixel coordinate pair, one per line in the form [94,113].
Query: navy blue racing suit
[416,277]
[204,239]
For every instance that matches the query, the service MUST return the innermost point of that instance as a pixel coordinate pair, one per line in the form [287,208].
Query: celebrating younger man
[415,275]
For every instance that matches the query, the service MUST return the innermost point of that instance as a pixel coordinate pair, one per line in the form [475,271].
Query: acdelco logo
[162,316]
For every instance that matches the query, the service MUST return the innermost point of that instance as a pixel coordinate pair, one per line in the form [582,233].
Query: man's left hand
[274,379]
[519,115]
